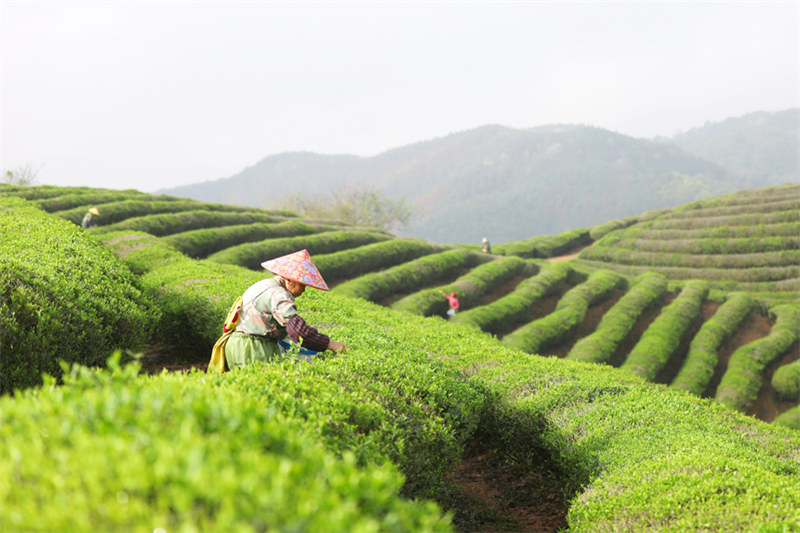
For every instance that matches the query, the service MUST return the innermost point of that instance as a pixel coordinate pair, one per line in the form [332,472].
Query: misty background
[152,95]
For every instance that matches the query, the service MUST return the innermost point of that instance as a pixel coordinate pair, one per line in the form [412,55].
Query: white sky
[153,94]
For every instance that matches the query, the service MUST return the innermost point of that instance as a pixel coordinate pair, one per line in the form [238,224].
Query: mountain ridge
[509,184]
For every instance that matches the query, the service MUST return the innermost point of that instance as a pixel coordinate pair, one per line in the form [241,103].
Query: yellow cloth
[217,361]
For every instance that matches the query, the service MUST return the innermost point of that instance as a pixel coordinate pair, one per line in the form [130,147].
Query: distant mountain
[510,184]
[763,148]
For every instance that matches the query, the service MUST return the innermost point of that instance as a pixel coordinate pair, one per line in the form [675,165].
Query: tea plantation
[656,375]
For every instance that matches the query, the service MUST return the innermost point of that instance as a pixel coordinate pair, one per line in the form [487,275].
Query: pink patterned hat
[297,267]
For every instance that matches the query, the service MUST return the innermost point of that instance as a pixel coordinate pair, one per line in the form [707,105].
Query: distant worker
[452,299]
[88,218]
[485,246]
[268,314]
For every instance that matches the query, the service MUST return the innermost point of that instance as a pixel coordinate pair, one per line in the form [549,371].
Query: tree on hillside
[360,205]
[24,175]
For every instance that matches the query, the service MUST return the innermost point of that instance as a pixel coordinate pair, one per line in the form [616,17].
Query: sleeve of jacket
[296,327]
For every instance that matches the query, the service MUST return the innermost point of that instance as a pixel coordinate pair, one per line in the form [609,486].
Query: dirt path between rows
[572,255]
[506,498]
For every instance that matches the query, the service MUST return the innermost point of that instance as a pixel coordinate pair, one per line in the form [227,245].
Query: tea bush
[171,223]
[496,316]
[124,209]
[702,358]
[545,245]
[786,381]
[569,314]
[252,254]
[410,276]
[742,379]
[201,243]
[617,322]
[470,287]
[115,452]
[789,229]
[60,288]
[355,262]
[662,338]
[85,199]
[789,418]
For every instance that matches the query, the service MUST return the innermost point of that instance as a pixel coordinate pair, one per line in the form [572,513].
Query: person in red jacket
[452,299]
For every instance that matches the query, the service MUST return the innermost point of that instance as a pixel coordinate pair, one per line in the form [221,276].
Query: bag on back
[217,362]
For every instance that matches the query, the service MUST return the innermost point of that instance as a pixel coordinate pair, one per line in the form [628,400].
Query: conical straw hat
[297,267]
[94,211]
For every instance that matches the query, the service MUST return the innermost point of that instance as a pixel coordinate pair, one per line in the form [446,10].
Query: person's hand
[337,347]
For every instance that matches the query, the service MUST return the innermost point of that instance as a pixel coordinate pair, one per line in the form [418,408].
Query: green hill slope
[364,439]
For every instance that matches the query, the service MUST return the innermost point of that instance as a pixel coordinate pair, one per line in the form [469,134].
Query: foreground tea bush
[116,452]
[62,294]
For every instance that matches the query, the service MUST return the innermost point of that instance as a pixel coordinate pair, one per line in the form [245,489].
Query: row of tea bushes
[601,230]
[83,200]
[761,205]
[545,245]
[780,217]
[171,223]
[201,243]
[568,315]
[252,254]
[737,263]
[40,192]
[662,338]
[788,229]
[113,451]
[496,316]
[786,381]
[754,196]
[743,378]
[411,276]
[719,245]
[470,288]
[355,262]
[766,279]
[702,358]
[617,322]
[117,211]
[789,418]
[59,288]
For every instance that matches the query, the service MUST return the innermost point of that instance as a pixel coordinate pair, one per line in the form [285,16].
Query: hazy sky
[151,94]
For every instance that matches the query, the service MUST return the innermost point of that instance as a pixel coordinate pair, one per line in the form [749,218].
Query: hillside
[760,147]
[543,180]
[744,244]
[635,450]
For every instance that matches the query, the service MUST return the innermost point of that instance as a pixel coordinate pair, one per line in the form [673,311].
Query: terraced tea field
[702,297]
